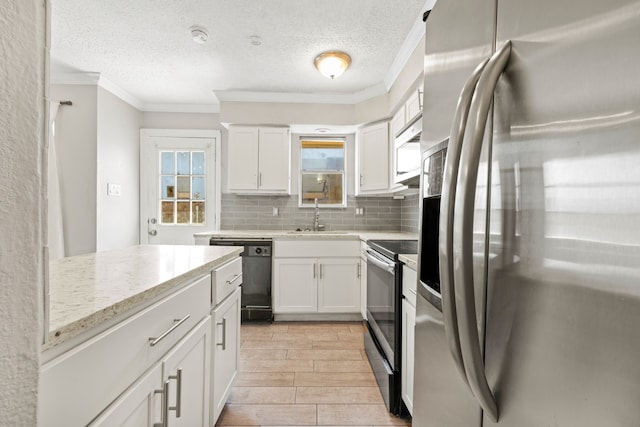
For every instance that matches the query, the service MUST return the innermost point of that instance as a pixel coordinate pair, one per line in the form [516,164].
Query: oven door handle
[375,259]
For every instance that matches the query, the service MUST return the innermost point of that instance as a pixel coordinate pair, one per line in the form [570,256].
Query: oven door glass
[381,302]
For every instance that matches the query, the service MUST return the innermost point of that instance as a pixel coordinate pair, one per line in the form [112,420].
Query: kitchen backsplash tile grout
[242,212]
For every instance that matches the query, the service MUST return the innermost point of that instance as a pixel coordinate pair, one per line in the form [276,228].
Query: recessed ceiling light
[255,40]
[322,130]
[199,34]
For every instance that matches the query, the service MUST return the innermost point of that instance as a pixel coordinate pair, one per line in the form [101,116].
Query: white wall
[118,162]
[23,210]
[76,144]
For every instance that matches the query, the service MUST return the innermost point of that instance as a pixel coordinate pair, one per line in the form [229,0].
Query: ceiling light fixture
[199,34]
[255,40]
[332,63]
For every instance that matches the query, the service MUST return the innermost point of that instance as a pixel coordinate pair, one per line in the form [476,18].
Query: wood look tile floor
[305,374]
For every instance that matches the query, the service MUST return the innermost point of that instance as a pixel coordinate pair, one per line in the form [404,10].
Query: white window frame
[301,172]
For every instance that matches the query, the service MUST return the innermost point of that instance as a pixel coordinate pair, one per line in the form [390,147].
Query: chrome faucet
[316,222]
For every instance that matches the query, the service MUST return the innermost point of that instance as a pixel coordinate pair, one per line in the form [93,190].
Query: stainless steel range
[384,300]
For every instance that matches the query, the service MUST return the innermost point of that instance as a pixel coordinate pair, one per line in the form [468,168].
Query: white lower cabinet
[295,285]
[338,285]
[188,367]
[174,392]
[409,284]
[225,350]
[363,281]
[317,285]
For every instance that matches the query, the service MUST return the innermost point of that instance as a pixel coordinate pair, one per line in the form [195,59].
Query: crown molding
[182,108]
[110,86]
[301,98]
[410,43]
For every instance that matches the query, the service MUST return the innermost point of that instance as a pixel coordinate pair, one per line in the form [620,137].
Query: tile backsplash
[240,212]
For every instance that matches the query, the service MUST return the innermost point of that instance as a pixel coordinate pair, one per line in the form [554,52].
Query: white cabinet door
[397,122]
[413,106]
[373,159]
[408,345]
[138,406]
[363,287]
[242,158]
[274,160]
[338,285]
[295,287]
[226,351]
[187,367]
[142,403]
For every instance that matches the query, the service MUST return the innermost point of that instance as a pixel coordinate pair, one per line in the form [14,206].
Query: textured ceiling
[144,46]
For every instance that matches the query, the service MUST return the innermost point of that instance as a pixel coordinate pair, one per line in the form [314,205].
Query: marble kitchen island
[126,324]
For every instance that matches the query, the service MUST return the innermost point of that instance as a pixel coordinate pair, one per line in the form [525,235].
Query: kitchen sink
[317,232]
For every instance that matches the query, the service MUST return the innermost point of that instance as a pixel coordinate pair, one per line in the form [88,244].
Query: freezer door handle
[445,244]
[463,231]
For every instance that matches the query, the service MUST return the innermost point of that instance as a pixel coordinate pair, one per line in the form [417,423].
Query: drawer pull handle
[178,378]
[236,277]
[153,340]
[165,405]
[223,344]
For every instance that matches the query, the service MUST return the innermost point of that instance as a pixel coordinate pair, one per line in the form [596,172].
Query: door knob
[153,232]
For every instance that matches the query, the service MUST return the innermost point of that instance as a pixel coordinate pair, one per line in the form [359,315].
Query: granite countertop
[309,235]
[410,260]
[87,290]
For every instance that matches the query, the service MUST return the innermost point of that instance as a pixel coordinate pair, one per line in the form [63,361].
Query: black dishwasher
[255,297]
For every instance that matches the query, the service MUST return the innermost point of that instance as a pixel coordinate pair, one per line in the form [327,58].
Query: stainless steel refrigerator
[529,293]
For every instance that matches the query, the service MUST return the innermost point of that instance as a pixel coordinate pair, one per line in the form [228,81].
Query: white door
[179,185]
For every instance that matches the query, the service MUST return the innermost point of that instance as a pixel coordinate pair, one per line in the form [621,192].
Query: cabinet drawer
[316,248]
[226,279]
[77,385]
[409,284]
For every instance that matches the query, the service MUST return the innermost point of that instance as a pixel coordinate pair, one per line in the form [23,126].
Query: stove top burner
[393,248]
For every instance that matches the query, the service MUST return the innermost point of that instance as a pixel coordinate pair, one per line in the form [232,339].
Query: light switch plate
[113,189]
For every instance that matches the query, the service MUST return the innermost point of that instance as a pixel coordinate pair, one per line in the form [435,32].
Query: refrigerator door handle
[463,231]
[445,244]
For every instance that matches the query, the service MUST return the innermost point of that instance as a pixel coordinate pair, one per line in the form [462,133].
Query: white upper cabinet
[373,149]
[413,106]
[259,160]
[407,112]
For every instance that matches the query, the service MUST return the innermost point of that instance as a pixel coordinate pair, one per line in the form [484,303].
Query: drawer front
[77,385]
[409,284]
[316,248]
[226,279]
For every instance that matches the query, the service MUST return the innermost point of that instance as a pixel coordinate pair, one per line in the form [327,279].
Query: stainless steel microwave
[407,154]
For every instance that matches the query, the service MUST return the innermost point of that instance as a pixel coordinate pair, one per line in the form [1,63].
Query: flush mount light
[255,40]
[199,34]
[332,63]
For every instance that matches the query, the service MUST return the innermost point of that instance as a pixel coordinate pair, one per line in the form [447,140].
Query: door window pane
[167,212]
[167,163]
[183,212]
[168,187]
[197,189]
[197,213]
[184,163]
[182,187]
[197,163]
